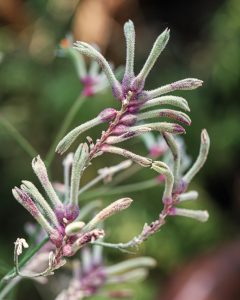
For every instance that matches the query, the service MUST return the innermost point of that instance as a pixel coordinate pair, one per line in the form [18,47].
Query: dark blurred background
[37,88]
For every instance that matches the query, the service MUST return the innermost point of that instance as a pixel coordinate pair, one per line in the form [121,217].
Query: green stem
[63,129]
[112,191]
[12,273]
[18,137]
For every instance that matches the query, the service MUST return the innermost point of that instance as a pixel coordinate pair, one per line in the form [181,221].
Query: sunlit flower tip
[200,215]
[107,114]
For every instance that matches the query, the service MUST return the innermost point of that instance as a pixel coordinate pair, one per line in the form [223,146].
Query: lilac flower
[60,219]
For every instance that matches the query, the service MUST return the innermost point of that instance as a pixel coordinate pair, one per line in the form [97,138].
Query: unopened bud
[40,170]
[108,211]
[120,129]
[202,157]
[80,161]
[74,228]
[191,195]
[128,119]
[200,215]
[129,32]
[184,84]
[108,114]
[169,113]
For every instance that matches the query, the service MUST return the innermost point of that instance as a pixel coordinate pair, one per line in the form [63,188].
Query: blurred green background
[37,89]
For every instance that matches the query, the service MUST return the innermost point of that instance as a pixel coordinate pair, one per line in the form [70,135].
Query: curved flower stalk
[91,276]
[129,122]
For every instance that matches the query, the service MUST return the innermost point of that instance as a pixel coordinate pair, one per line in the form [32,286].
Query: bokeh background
[37,89]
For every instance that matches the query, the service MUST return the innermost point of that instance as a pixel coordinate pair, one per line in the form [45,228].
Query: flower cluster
[134,98]
[129,122]
[61,220]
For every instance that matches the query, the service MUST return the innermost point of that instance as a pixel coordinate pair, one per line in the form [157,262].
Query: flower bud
[185,84]
[108,114]
[24,199]
[200,215]
[120,129]
[74,228]
[202,157]
[128,119]
[40,170]
[108,211]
